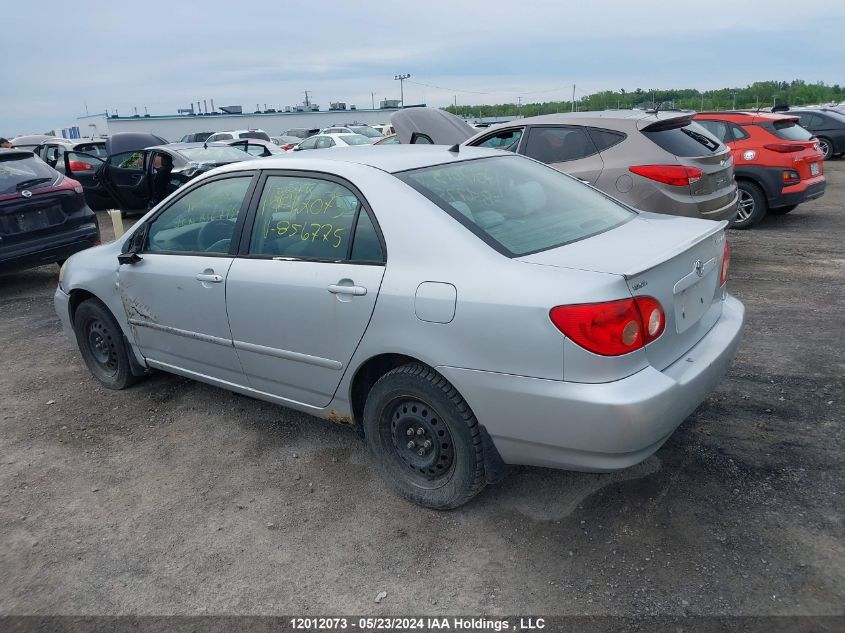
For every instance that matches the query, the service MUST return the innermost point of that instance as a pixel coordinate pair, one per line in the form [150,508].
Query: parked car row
[722,165]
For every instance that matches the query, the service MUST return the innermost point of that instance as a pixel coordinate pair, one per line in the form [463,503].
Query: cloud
[163,55]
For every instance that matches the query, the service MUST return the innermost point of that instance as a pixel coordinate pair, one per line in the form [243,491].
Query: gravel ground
[177,498]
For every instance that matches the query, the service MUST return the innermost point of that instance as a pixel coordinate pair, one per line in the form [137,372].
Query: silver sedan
[464,310]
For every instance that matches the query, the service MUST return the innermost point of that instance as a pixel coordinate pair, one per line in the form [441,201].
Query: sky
[58,58]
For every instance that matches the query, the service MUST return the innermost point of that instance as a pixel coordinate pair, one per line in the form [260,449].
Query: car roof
[391,159]
[175,147]
[749,116]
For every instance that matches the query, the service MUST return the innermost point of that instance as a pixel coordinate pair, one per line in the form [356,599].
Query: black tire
[415,404]
[101,343]
[782,210]
[826,146]
[751,206]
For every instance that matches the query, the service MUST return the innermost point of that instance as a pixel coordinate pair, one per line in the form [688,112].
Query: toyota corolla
[464,309]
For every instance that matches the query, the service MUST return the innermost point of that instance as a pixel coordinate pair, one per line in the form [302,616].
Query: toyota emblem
[26,193]
[699,268]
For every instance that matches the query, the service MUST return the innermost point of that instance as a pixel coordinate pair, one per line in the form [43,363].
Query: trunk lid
[438,127]
[675,260]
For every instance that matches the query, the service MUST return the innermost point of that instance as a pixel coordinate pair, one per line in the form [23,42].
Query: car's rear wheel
[101,343]
[424,437]
[826,147]
[751,207]
[782,210]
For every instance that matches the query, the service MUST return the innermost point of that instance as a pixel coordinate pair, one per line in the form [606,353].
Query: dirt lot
[178,498]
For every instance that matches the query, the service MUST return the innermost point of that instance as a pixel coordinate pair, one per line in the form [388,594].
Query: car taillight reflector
[785,148]
[676,175]
[790,176]
[726,263]
[78,165]
[611,328]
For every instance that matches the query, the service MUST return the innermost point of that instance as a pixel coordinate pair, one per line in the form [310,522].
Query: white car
[323,141]
[365,130]
[235,134]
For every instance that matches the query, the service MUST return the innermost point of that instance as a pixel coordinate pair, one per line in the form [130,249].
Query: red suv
[777,163]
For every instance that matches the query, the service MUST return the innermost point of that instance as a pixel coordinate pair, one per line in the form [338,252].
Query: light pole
[401,79]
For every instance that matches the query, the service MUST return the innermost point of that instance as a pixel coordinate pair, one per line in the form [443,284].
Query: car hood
[131,142]
[443,128]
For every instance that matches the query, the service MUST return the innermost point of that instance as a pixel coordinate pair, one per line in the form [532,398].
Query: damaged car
[141,170]
[462,308]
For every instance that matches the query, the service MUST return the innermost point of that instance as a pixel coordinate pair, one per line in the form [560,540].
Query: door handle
[209,278]
[358,291]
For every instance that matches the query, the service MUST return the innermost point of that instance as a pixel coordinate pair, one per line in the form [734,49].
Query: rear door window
[558,144]
[682,140]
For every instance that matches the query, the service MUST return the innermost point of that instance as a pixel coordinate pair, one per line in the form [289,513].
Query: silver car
[463,309]
[662,162]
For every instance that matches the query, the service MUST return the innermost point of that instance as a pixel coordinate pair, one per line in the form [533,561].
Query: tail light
[78,165]
[611,328]
[785,148]
[73,184]
[791,177]
[288,146]
[726,263]
[675,175]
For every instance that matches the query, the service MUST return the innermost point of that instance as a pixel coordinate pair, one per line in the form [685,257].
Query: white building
[174,127]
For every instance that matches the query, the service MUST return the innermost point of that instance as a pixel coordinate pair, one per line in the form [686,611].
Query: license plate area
[693,296]
[814,169]
[26,221]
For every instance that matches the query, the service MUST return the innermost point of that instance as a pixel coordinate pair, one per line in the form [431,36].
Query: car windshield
[354,139]
[18,169]
[516,205]
[224,154]
[788,130]
[366,131]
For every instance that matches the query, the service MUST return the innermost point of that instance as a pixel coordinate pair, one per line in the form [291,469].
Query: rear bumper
[49,248]
[598,427]
[805,191]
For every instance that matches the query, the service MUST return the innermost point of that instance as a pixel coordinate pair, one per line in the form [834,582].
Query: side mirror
[130,257]
[133,246]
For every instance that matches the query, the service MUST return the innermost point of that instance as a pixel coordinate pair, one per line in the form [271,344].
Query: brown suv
[661,162]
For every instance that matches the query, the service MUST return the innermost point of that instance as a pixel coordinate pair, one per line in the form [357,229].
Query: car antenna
[455,148]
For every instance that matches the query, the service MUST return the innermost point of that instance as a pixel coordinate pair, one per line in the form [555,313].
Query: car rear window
[516,205]
[17,171]
[253,134]
[787,130]
[682,139]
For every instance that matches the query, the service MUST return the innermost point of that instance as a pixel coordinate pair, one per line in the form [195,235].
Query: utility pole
[307,100]
[702,102]
[373,99]
[401,79]
[573,97]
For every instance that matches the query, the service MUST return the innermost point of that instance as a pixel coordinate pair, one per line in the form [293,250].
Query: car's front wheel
[751,207]
[424,437]
[826,147]
[101,343]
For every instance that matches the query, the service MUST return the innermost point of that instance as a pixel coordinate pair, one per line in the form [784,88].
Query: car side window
[719,129]
[605,139]
[309,143]
[506,139]
[201,221]
[737,133]
[558,144]
[304,218]
[128,160]
[254,149]
[324,142]
[366,245]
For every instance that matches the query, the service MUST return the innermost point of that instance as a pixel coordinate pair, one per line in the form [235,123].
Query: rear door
[127,178]
[302,291]
[566,148]
[87,170]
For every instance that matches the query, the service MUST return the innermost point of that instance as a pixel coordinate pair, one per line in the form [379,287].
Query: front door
[566,148]
[126,177]
[302,292]
[175,295]
[87,170]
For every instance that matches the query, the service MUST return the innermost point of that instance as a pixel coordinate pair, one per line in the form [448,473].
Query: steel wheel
[745,208]
[102,346]
[421,440]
